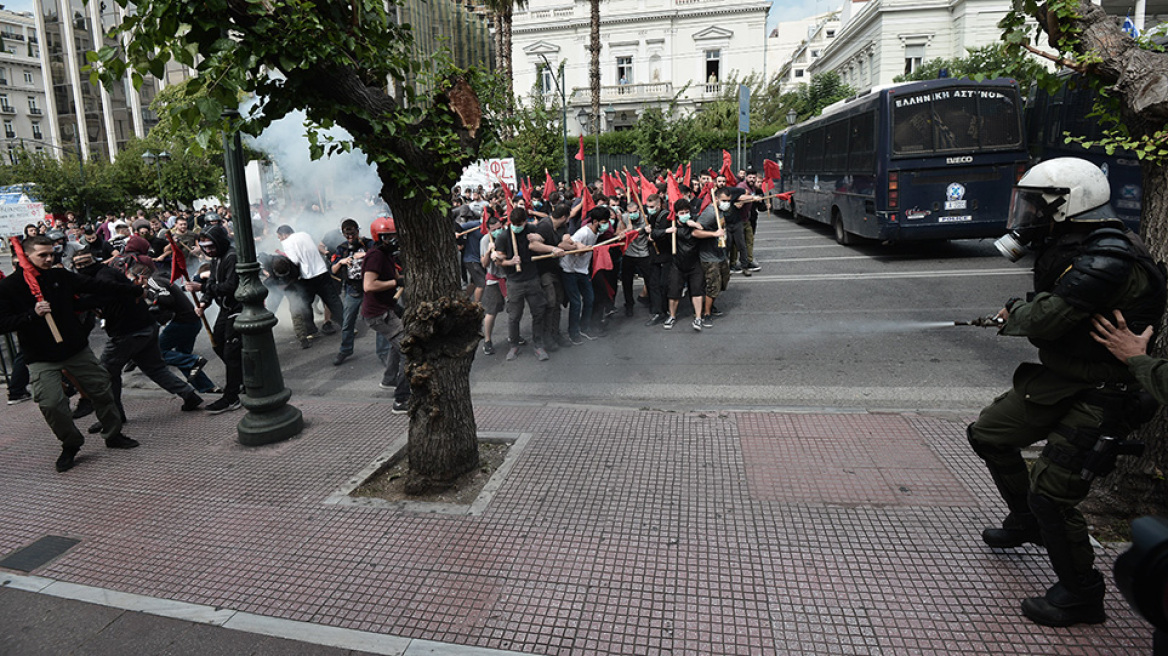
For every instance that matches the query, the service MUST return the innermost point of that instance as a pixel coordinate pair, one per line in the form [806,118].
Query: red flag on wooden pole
[632,187]
[609,184]
[586,205]
[672,189]
[549,184]
[647,188]
[771,170]
[580,153]
[688,173]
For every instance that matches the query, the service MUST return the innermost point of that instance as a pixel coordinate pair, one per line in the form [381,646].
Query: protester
[52,362]
[381,281]
[347,263]
[218,285]
[314,282]
[495,291]
[514,252]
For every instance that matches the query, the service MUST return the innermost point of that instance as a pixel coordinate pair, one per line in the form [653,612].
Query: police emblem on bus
[956,191]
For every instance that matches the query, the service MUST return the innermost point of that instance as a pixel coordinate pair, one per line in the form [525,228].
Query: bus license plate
[955,204]
[954,219]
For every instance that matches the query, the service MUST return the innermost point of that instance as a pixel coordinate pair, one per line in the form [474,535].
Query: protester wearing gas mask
[1085,262]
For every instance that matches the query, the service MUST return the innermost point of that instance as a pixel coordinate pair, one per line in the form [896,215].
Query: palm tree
[502,12]
[594,47]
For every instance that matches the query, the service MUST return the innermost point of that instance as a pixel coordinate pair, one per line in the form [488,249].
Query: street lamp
[270,418]
[792,116]
[563,109]
[156,159]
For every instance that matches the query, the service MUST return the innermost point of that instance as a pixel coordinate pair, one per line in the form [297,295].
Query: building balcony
[3,82]
[7,109]
[36,111]
[622,93]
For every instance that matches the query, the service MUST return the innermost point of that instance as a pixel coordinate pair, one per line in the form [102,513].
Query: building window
[831,34]
[3,76]
[8,130]
[798,72]
[624,70]
[36,131]
[547,83]
[28,77]
[713,66]
[913,56]
[4,106]
[815,54]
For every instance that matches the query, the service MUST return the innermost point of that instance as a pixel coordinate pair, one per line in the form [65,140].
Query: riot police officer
[1085,262]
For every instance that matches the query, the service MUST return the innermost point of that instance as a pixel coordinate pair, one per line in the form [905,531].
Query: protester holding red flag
[728,170]
[50,360]
[523,288]
[687,271]
[577,275]
[750,210]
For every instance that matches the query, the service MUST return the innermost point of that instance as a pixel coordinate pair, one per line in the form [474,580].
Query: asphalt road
[822,326]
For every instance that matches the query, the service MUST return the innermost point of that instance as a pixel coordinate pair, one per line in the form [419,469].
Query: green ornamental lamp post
[270,418]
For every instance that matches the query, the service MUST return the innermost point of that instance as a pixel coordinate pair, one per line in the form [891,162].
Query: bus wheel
[842,237]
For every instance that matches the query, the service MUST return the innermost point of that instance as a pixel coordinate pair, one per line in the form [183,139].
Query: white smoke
[314,196]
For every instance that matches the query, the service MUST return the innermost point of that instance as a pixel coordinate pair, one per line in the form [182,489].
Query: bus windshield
[952,120]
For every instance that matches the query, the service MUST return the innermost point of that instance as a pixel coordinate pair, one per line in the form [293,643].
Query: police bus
[912,161]
[1051,117]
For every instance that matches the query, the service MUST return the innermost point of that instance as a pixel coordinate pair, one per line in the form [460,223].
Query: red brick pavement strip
[618,532]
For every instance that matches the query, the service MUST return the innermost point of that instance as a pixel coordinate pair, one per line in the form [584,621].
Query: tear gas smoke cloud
[341,185]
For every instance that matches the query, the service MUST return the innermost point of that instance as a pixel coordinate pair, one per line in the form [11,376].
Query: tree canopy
[986,62]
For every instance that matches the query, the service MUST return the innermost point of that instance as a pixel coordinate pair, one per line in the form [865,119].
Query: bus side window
[862,133]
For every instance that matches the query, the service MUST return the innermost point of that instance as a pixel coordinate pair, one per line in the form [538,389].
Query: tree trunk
[497,21]
[441,335]
[1139,79]
[508,69]
[594,47]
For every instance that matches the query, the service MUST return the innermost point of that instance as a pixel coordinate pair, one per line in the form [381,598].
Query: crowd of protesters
[557,260]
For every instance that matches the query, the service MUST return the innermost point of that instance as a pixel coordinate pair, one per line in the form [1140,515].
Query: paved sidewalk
[617,532]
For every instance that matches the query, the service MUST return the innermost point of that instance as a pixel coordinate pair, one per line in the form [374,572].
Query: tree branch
[1074,66]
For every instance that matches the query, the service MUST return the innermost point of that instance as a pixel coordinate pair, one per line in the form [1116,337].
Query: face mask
[651,211]
[603,226]
[633,216]
[517,229]
[724,205]
[683,217]
[495,233]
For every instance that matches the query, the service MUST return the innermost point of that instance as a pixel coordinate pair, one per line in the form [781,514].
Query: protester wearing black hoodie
[219,287]
[49,360]
[133,333]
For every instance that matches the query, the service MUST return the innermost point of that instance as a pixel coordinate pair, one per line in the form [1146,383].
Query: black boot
[1081,602]
[1017,529]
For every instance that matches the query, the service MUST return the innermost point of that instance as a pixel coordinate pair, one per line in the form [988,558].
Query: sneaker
[735,269]
[541,354]
[550,345]
[669,323]
[400,407]
[21,398]
[65,460]
[747,273]
[224,404]
[130,366]
[341,357]
[385,385]
[714,311]
[587,336]
[707,322]
[84,408]
[644,300]
[521,342]
[512,353]
[628,310]
[328,328]
[755,267]
[575,340]
[563,342]
[697,324]
[120,441]
[191,402]
[305,343]
[488,348]
[609,313]
[655,319]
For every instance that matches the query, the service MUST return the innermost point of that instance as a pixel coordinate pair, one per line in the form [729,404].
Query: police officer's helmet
[1058,190]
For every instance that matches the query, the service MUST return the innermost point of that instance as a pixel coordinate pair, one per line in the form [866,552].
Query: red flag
[647,188]
[580,154]
[586,205]
[483,221]
[30,272]
[706,196]
[609,185]
[726,161]
[628,238]
[771,170]
[578,188]
[507,196]
[178,261]
[601,259]
[672,190]
[785,196]
[767,185]
[680,171]
[688,174]
[549,184]
[616,181]
[632,187]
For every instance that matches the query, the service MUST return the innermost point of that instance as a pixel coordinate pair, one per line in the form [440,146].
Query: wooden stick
[203,316]
[53,328]
[721,224]
[587,249]
[515,247]
[467,231]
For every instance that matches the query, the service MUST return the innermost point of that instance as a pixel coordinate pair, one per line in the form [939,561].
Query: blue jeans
[351,308]
[578,288]
[177,341]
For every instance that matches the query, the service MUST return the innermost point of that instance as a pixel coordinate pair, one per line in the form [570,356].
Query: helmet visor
[1032,208]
